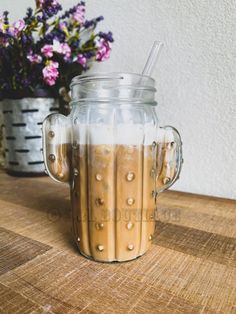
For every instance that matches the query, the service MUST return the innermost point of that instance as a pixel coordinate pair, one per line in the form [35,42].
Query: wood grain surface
[190,268]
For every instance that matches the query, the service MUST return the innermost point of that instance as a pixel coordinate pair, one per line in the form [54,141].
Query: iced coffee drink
[113,189]
[116,159]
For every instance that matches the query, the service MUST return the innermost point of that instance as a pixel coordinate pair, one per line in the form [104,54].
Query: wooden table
[190,268]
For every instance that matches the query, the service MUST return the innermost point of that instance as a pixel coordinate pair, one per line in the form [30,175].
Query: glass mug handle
[57,147]
[169,157]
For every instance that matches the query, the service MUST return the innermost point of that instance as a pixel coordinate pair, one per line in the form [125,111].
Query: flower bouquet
[39,55]
[46,49]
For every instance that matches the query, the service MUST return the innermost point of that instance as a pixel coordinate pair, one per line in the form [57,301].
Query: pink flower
[2,30]
[53,3]
[19,25]
[16,28]
[47,51]
[81,59]
[66,51]
[104,50]
[62,48]
[34,58]
[79,14]
[50,73]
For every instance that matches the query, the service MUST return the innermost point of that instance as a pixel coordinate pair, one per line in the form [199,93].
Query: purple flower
[34,58]
[5,14]
[63,26]
[89,54]
[81,59]
[72,10]
[79,14]
[16,28]
[93,22]
[104,50]
[49,7]
[29,12]
[99,18]
[50,73]
[55,34]
[28,18]
[47,51]
[107,36]
[27,41]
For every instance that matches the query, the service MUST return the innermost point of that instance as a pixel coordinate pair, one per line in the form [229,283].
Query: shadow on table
[43,196]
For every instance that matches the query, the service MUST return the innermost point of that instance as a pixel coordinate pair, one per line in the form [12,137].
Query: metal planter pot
[22,135]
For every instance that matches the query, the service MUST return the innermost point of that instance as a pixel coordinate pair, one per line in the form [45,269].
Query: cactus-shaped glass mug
[116,159]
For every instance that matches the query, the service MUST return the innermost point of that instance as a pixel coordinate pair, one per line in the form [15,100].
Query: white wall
[196,76]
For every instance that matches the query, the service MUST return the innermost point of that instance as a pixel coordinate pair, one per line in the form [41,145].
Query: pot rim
[20,94]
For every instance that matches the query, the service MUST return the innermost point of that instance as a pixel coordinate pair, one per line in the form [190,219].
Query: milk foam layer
[97,134]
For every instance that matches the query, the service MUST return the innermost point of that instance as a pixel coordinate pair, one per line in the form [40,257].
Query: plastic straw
[152,58]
